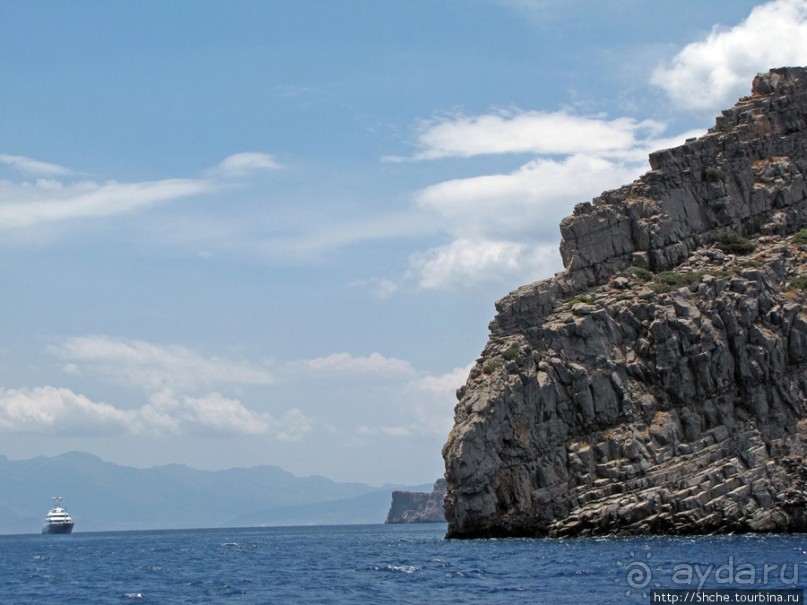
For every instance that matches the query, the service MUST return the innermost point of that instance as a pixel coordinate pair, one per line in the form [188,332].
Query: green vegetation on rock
[712,174]
[667,281]
[799,282]
[732,243]
[641,273]
[511,353]
[579,299]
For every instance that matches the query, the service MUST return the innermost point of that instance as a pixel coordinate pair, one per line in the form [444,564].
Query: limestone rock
[418,507]
[674,400]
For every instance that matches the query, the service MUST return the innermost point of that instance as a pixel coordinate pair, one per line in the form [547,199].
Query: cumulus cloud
[154,367]
[177,381]
[711,74]
[467,263]
[504,226]
[179,401]
[214,414]
[49,410]
[59,411]
[55,199]
[535,132]
[532,198]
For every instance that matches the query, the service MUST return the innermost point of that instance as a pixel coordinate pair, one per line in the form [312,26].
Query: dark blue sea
[383,564]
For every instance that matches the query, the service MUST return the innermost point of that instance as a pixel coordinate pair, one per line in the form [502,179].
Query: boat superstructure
[57,520]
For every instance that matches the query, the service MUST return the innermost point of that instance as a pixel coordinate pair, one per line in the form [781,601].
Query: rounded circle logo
[638,574]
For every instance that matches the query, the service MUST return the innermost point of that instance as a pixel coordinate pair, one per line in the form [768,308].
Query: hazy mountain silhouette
[104,496]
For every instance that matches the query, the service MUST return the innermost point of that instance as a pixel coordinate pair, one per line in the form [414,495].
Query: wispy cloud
[30,204]
[240,164]
[710,74]
[33,167]
[154,367]
[345,363]
[429,403]
[56,199]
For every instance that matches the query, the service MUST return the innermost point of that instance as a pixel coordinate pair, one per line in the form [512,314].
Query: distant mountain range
[102,496]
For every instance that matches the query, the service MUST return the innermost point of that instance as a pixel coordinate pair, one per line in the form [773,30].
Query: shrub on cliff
[641,273]
[733,243]
[712,174]
[667,281]
[799,282]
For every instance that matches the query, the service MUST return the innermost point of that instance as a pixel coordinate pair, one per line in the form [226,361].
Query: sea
[392,564]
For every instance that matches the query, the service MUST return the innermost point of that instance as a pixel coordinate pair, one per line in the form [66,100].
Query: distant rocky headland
[418,507]
[659,383]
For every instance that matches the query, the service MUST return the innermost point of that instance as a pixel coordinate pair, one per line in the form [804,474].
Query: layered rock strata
[659,383]
[418,507]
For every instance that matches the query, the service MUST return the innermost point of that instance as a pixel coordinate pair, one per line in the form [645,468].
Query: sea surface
[381,564]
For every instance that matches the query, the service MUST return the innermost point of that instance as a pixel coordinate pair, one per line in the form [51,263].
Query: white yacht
[57,521]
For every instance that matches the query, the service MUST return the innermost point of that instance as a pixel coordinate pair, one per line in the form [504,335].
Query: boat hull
[57,528]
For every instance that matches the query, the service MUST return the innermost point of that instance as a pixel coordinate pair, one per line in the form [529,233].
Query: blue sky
[239,233]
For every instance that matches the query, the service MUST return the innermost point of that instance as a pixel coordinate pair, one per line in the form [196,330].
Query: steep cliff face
[658,384]
[418,507]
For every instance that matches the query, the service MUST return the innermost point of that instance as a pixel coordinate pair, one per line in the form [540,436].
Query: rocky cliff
[418,507]
[659,383]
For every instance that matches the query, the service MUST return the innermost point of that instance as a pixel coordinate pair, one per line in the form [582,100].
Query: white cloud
[59,411]
[29,204]
[389,431]
[380,287]
[31,166]
[536,132]
[532,198]
[153,367]
[291,426]
[240,164]
[345,363]
[428,402]
[49,410]
[466,263]
[212,413]
[711,74]
[435,398]
[505,226]
[444,384]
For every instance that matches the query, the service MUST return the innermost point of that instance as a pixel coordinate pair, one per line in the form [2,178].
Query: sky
[267,232]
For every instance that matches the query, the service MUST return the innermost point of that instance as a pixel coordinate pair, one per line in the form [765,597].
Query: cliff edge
[418,507]
[659,383]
